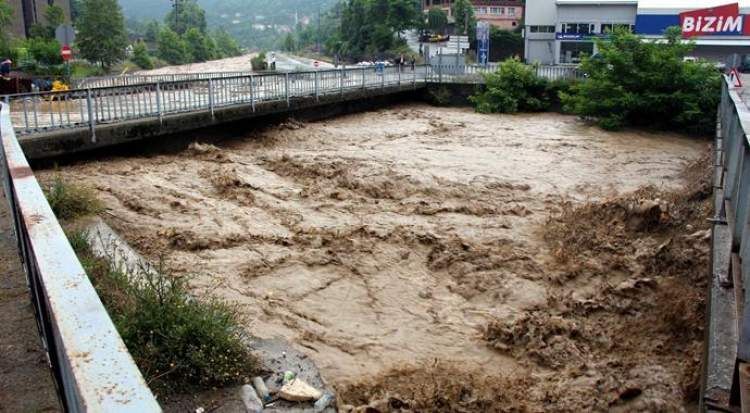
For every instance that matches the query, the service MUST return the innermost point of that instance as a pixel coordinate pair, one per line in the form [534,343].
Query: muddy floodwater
[399,237]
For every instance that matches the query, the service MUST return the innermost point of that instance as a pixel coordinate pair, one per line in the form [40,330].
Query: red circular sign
[66,53]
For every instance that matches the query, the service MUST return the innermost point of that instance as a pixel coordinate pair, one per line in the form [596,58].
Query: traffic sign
[66,53]
[65,34]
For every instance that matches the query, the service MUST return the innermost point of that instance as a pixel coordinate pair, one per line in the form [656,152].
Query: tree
[6,15]
[185,15]
[172,48]
[289,43]
[101,32]
[404,15]
[197,46]
[466,22]
[505,44]
[633,81]
[437,20]
[54,16]
[226,45]
[514,87]
[76,7]
[141,56]
[152,30]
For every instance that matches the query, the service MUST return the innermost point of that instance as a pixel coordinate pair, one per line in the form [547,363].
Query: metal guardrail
[46,111]
[131,80]
[93,370]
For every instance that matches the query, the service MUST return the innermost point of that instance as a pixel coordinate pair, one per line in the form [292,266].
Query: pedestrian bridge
[124,108]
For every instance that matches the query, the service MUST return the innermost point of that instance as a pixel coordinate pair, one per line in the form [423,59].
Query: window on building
[541,29]
[511,11]
[571,52]
[578,28]
[609,27]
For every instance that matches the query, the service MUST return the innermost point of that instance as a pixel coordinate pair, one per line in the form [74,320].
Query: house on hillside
[504,14]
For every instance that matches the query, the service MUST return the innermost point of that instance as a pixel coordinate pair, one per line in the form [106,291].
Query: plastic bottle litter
[323,402]
[250,399]
[261,389]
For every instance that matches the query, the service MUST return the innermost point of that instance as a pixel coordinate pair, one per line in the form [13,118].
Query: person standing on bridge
[5,64]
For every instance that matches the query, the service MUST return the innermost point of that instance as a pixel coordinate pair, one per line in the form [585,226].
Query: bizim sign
[723,20]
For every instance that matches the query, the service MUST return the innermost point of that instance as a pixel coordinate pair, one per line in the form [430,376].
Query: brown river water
[386,238]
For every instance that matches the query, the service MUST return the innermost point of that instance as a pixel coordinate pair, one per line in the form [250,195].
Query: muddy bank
[440,239]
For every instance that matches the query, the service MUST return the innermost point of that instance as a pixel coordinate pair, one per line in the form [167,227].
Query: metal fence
[93,369]
[45,111]
[472,73]
[131,80]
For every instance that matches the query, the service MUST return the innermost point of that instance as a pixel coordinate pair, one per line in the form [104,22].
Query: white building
[559,31]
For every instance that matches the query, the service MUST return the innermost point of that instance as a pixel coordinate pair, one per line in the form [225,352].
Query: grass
[70,201]
[178,342]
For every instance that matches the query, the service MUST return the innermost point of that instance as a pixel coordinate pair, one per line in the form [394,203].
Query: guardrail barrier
[93,370]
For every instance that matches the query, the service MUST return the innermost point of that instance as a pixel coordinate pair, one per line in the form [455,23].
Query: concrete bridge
[126,108]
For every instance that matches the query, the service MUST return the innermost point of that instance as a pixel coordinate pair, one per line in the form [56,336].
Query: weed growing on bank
[178,342]
[70,201]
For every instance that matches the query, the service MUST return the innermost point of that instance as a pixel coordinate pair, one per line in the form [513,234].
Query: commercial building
[504,14]
[28,12]
[560,31]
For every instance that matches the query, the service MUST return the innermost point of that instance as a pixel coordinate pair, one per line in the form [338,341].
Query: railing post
[286,88]
[399,74]
[440,68]
[382,77]
[252,93]
[92,119]
[414,77]
[211,96]
[158,102]
[341,82]
[317,86]
[364,80]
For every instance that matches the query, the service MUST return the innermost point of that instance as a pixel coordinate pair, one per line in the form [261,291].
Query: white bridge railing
[93,370]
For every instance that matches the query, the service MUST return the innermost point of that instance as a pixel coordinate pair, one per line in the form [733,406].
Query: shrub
[637,82]
[177,341]
[514,87]
[259,62]
[141,56]
[70,201]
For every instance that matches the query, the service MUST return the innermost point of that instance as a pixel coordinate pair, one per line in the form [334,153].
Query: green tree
[404,15]
[152,30]
[643,83]
[437,20]
[514,87]
[289,44]
[76,7]
[6,16]
[466,22]
[101,32]
[198,47]
[185,15]
[141,56]
[505,44]
[226,45]
[54,16]
[172,48]
[44,50]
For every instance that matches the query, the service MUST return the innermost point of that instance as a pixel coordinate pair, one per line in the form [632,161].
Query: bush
[44,51]
[643,83]
[70,201]
[141,56]
[514,87]
[177,341]
[259,62]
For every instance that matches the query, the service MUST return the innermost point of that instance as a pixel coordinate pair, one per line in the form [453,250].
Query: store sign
[723,20]
[579,36]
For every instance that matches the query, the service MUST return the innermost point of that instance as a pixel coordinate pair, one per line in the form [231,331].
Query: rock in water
[298,391]
[251,400]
